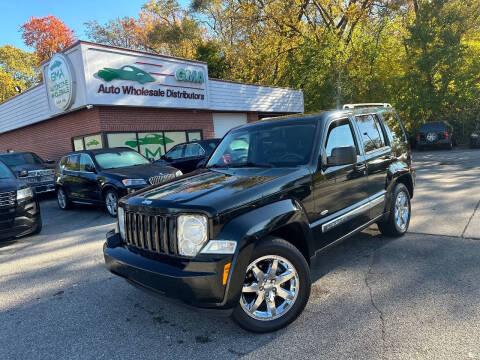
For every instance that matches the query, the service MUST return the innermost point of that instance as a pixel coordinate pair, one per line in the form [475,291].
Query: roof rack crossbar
[353,106]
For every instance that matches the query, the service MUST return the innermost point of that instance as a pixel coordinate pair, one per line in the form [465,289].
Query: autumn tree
[17,68]
[47,35]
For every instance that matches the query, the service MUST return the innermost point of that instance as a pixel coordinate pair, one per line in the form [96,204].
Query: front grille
[40,176]
[153,233]
[160,179]
[7,199]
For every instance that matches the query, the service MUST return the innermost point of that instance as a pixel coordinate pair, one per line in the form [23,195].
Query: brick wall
[138,119]
[52,138]
[252,117]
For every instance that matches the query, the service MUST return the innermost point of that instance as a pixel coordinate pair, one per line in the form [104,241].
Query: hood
[219,190]
[9,184]
[145,171]
[28,167]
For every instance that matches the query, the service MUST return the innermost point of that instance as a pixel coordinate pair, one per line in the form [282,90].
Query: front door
[89,189]
[339,190]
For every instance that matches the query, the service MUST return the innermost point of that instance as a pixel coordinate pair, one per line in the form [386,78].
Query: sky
[14,13]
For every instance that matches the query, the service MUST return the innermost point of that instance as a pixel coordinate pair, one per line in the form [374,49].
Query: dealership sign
[117,77]
[61,89]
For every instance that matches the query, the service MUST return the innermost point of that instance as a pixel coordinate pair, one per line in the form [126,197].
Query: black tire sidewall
[398,189]
[66,199]
[105,198]
[280,247]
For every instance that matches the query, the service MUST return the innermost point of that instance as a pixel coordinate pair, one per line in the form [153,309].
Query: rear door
[378,154]
[339,190]
[175,155]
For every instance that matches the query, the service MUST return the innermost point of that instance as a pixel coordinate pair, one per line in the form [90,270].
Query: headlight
[191,234]
[475,135]
[121,222]
[134,182]
[178,173]
[23,194]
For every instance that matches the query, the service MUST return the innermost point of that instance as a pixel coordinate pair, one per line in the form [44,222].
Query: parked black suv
[240,234]
[475,138]
[19,208]
[435,134]
[187,156]
[37,172]
[103,176]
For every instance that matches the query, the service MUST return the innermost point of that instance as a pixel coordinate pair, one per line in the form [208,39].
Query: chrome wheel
[402,211]
[111,201]
[62,198]
[270,288]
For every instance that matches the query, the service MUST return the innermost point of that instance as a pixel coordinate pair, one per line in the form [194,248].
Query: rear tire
[400,212]
[63,201]
[273,295]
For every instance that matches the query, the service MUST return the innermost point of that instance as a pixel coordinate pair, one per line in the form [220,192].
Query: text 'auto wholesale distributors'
[131,90]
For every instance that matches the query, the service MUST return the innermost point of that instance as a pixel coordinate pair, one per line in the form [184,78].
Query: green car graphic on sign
[127,72]
[150,139]
[55,65]
[93,143]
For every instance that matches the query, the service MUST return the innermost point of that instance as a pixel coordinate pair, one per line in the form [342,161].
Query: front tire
[400,212]
[63,201]
[111,202]
[276,287]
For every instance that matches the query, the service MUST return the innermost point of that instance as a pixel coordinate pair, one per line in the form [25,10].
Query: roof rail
[353,106]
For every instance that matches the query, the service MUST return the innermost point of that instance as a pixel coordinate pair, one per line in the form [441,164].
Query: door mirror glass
[89,168]
[342,155]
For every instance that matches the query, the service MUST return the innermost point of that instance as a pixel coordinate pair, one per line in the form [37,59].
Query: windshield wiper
[252,164]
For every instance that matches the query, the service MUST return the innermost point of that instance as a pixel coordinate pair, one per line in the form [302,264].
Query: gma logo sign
[190,75]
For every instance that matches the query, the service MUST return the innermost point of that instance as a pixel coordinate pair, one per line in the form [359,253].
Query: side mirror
[152,160]
[49,161]
[201,163]
[89,168]
[342,155]
[23,173]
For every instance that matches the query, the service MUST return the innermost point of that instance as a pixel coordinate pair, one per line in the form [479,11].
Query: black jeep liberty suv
[239,234]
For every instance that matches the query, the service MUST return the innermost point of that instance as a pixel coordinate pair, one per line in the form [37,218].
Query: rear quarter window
[394,129]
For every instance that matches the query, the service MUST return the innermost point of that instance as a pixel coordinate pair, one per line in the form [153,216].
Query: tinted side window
[193,150]
[176,152]
[371,131]
[339,134]
[85,160]
[72,163]
[394,129]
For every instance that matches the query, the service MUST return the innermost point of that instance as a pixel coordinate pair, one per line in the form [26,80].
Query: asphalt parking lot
[372,297]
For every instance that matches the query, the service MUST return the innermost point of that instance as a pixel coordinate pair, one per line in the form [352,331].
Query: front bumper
[40,188]
[197,282]
[23,220]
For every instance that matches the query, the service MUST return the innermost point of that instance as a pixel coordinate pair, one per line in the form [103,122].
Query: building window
[88,142]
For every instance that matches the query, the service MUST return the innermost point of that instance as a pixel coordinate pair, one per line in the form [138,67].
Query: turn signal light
[226,271]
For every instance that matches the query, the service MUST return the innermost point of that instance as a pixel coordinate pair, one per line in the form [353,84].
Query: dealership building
[95,96]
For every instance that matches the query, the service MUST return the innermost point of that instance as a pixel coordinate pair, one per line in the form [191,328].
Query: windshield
[274,144]
[21,159]
[5,172]
[118,159]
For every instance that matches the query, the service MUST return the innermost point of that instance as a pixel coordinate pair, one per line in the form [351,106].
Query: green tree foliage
[17,68]
[211,53]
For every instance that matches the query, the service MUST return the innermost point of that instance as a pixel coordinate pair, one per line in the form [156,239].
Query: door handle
[360,167]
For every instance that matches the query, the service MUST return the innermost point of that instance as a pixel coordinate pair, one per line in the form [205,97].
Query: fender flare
[249,228]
